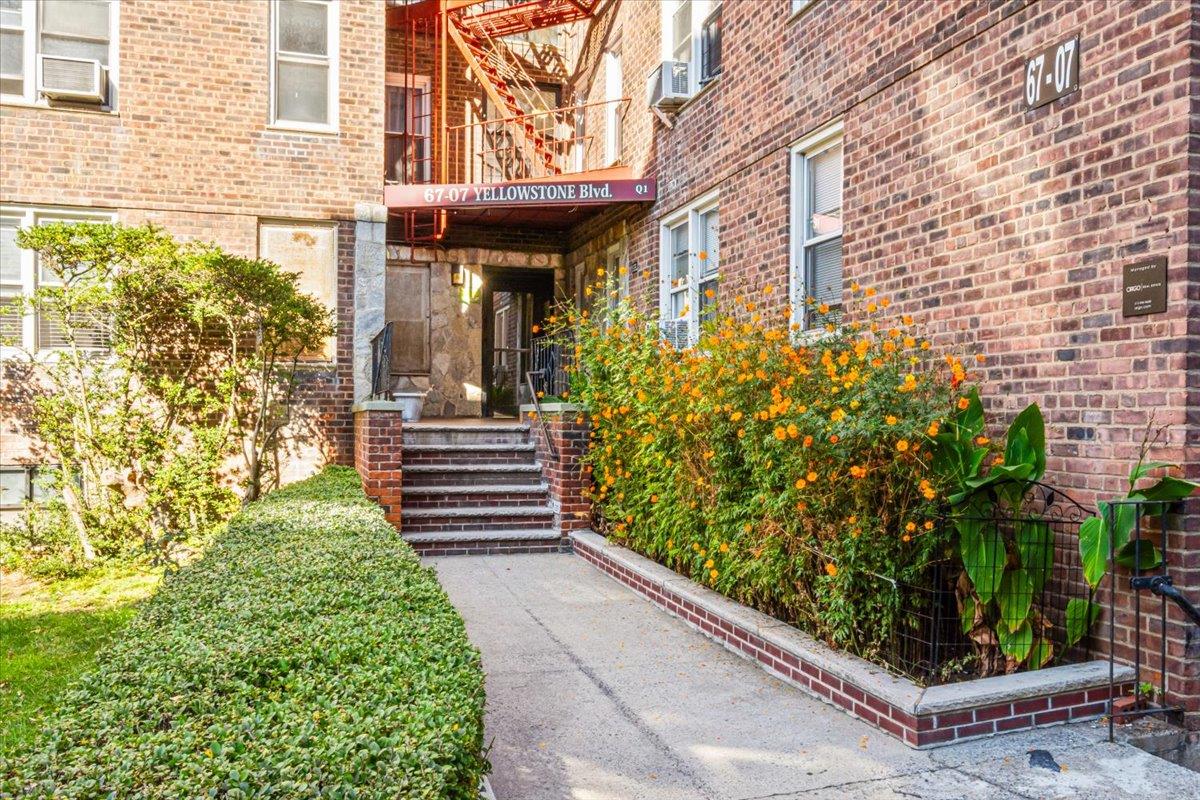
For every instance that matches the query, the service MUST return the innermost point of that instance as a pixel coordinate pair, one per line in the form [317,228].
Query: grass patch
[49,634]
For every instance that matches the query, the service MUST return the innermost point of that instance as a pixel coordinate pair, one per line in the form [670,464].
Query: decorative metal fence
[549,361]
[955,624]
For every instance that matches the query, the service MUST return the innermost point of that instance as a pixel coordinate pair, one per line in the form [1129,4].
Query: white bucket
[410,405]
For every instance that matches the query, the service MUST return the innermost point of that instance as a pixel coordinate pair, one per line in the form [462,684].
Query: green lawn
[49,634]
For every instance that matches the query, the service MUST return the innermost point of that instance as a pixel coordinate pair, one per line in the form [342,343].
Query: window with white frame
[816,257]
[800,5]
[75,31]
[616,277]
[23,483]
[689,269]
[613,87]
[21,274]
[304,54]
[691,35]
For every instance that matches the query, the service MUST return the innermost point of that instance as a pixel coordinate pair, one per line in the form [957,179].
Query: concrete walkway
[594,694]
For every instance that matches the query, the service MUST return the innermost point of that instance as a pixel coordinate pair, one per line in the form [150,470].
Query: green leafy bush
[307,654]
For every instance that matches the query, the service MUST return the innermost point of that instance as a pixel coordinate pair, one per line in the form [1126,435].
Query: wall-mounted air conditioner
[668,85]
[80,80]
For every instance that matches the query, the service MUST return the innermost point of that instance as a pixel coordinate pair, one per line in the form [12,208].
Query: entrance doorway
[515,301]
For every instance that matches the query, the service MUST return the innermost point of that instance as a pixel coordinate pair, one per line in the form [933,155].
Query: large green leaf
[1168,490]
[970,419]
[1122,517]
[983,555]
[1018,643]
[1139,555]
[1146,467]
[1081,615]
[1015,597]
[1093,550]
[968,614]
[1030,421]
[1043,651]
[1035,543]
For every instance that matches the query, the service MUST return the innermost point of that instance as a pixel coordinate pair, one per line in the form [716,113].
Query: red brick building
[443,150]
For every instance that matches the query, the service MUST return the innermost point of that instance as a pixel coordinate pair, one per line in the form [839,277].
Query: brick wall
[563,470]
[1003,231]
[378,442]
[189,148]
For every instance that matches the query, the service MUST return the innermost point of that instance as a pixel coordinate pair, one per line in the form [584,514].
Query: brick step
[480,475]
[523,540]
[475,518]
[467,454]
[432,433]
[452,496]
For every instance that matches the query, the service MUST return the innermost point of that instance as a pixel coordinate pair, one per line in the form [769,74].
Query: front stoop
[472,489]
[920,717]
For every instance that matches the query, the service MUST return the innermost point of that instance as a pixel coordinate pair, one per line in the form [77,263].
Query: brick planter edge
[921,717]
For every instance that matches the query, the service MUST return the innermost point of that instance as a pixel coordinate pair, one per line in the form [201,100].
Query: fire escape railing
[490,151]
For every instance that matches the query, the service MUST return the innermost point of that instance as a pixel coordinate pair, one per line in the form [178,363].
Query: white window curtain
[817,273]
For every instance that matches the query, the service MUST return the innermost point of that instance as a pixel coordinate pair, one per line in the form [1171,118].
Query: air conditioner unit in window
[668,85]
[80,80]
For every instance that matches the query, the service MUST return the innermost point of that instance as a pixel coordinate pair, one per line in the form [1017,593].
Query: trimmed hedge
[308,653]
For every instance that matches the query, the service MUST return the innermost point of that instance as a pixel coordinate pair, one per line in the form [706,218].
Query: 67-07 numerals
[1052,73]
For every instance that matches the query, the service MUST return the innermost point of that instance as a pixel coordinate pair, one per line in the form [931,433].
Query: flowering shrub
[791,473]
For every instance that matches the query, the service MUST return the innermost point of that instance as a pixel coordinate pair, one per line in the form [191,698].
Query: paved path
[594,694]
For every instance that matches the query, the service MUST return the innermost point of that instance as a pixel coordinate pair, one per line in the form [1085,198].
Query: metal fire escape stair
[507,84]
[492,19]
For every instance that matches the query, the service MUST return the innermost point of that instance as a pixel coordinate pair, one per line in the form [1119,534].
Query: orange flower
[713,574]
[801,483]
[981,440]
[808,440]
[890,420]
[852,519]
[708,564]
[653,498]
[725,545]
[812,477]
[933,429]
[963,404]
[831,569]
[780,433]
[902,446]
[910,527]
[928,525]
[858,472]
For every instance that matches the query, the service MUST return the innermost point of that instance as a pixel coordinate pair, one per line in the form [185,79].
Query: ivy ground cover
[308,653]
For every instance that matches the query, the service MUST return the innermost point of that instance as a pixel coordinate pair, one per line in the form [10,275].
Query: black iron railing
[547,377]
[381,362]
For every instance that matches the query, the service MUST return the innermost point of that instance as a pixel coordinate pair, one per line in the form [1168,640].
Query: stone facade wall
[1002,231]
[455,384]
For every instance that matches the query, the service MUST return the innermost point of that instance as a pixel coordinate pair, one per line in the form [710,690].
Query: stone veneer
[455,384]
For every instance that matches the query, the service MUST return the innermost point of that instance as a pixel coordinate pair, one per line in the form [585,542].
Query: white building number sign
[1052,73]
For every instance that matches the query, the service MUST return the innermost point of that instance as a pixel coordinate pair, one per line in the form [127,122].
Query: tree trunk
[71,500]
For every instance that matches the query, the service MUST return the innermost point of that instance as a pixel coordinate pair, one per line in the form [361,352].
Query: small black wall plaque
[1144,290]
[1052,73]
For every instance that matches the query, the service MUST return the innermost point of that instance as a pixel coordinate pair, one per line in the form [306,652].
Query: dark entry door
[515,302]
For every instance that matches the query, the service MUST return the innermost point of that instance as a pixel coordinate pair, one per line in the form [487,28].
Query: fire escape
[442,130]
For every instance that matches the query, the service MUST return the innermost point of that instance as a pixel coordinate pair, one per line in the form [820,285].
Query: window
[304,48]
[816,268]
[692,34]
[800,5]
[616,277]
[406,306]
[710,47]
[68,28]
[407,136]
[690,266]
[20,484]
[309,249]
[613,92]
[21,274]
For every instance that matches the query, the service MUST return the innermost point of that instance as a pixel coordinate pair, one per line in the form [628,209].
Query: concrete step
[475,518]
[500,540]
[479,475]
[451,496]
[473,453]
[489,433]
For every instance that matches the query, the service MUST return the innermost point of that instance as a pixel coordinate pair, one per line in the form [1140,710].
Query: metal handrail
[537,408]
[381,361]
